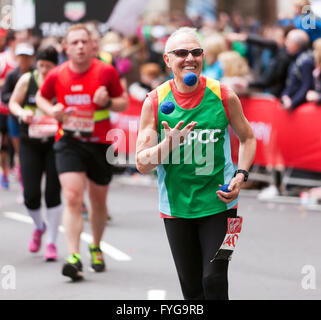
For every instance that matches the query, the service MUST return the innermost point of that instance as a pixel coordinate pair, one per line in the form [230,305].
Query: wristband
[108,105]
[246,174]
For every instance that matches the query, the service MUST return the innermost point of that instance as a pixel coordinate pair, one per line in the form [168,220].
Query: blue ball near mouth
[224,188]
[167,107]
[190,79]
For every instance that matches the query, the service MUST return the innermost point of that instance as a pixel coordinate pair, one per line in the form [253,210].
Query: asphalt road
[278,255]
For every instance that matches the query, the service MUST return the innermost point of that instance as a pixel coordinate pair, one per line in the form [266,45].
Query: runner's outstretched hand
[175,135]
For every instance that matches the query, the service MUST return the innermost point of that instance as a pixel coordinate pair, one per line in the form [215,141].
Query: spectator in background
[95,40]
[154,33]
[236,71]
[150,78]
[299,78]
[133,51]
[111,48]
[237,21]
[213,46]
[274,79]
[224,22]
[56,43]
[315,95]
[206,9]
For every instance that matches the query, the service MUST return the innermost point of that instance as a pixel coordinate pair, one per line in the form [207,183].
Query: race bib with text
[234,227]
[79,121]
[42,127]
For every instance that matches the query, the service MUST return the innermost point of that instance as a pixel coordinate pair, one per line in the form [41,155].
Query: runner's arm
[243,130]
[102,99]
[247,148]
[45,105]
[147,149]
[119,104]
[46,95]
[18,95]
[116,96]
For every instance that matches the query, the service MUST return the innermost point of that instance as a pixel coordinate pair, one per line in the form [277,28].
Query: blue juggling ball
[167,107]
[224,188]
[190,79]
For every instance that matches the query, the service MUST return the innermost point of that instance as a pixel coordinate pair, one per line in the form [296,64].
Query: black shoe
[73,268]
[97,259]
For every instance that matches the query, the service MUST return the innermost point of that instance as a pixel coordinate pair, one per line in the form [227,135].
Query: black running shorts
[76,156]
[3,124]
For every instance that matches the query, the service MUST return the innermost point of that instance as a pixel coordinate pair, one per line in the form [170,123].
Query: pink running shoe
[51,252]
[35,242]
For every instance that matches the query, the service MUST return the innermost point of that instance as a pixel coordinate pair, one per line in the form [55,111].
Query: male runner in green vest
[190,147]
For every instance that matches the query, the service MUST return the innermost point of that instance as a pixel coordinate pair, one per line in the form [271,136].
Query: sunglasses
[183,53]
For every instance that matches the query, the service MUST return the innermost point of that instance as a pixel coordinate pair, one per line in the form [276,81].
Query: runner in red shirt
[85,89]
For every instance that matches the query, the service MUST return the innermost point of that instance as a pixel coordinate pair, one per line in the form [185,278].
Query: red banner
[299,137]
[261,114]
[290,138]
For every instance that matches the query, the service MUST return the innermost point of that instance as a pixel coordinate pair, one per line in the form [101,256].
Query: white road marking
[156,294]
[18,217]
[108,249]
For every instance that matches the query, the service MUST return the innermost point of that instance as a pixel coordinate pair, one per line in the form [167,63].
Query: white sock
[36,217]
[54,220]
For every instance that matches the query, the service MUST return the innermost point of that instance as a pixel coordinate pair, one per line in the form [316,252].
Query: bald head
[181,34]
[296,41]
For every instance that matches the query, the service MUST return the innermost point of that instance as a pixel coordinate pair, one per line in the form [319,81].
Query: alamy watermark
[196,148]
[308,282]
[8,277]
[309,18]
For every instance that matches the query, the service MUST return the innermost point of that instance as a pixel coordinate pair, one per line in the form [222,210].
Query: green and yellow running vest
[189,178]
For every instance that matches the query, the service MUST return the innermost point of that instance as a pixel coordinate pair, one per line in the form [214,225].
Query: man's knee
[73,197]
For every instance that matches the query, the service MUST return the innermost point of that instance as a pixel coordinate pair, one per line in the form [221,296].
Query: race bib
[79,121]
[234,227]
[42,127]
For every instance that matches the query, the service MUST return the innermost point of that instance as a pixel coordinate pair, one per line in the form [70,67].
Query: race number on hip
[79,121]
[42,127]
[234,227]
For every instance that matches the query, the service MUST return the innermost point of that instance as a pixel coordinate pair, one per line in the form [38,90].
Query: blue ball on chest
[167,107]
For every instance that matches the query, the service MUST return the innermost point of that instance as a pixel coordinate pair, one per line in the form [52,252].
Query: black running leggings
[37,158]
[194,243]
